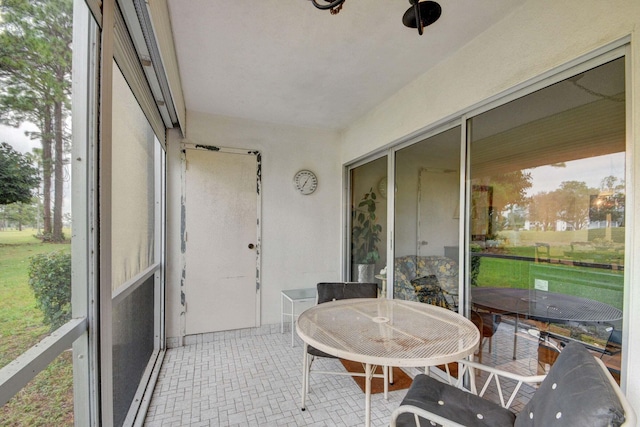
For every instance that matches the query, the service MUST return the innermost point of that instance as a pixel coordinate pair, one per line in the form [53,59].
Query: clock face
[305,182]
[382,187]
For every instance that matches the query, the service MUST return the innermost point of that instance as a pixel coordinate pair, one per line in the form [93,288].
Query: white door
[437,216]
[221,241]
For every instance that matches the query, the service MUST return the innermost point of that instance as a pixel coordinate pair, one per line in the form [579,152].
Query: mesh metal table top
[388,332]
[543,305]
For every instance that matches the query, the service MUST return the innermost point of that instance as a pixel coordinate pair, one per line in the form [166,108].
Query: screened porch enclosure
[489,171]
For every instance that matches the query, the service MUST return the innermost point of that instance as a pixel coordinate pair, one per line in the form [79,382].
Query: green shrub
[50,279]
[475,263]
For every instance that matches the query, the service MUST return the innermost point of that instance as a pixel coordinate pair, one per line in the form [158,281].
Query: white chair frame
[495,375]
[306,372]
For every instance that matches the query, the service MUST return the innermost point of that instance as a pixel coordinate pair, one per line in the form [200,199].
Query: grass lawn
[503,273]
[48,399]
[594,283]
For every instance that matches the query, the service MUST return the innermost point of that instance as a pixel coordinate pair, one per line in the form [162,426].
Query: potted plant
[365,237]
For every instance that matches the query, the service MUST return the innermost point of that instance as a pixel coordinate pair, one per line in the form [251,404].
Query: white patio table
[383,332]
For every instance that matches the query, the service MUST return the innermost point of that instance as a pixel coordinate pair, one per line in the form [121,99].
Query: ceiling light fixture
[421,13]
[333,5]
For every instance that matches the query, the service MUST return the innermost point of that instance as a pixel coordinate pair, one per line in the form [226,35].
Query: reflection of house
[603,224]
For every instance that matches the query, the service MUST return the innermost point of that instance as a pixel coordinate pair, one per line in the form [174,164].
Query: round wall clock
[382,187]
[305,181]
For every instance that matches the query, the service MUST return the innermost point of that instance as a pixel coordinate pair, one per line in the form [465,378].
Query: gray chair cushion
[452,403]
[329,291]
[576,392]
[315,352]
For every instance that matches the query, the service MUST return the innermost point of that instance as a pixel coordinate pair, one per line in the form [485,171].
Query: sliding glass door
[547,217]
[533,249]
[427,216]
[369,222]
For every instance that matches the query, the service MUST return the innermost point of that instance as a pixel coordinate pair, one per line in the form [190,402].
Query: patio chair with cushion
[332,291]
[429,291]
[577,391]
[611,353]
[488,324]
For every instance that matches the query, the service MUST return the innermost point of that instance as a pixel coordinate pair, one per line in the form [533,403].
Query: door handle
[251,246]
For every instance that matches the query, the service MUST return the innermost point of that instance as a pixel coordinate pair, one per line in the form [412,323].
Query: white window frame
[75,333]
[617,49]
[92,298]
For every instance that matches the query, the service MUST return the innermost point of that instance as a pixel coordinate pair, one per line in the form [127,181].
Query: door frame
[184,146]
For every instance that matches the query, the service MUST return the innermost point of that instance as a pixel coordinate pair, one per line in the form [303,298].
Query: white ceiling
[286,62]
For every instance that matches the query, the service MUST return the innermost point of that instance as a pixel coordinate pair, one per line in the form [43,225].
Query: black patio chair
[332,291]
[428,291]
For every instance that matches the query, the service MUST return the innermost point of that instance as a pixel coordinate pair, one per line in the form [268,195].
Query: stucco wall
[301,238]
[535,39]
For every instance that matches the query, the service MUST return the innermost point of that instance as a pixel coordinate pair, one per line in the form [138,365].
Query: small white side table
[294,296]
[383,279]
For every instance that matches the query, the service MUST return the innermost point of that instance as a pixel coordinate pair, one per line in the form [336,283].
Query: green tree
[35,70]
[573,203]
[19,214]
[509,194]
[18,177]
[543,210]
[608,204]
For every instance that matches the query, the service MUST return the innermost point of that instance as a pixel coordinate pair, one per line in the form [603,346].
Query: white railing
[25,367]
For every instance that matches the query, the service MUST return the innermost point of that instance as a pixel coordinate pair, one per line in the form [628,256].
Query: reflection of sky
[591,171]
[16,138]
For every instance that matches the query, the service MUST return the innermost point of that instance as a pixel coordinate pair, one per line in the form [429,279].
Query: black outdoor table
[543,306]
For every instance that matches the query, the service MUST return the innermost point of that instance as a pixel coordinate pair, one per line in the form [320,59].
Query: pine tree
[35,74]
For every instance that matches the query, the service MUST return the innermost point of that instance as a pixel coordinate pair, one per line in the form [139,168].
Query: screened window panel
[132,346]
[133,186]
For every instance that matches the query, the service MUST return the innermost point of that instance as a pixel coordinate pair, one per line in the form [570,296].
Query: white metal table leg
[385,372]
[367,394]
[293,319]
[305,376]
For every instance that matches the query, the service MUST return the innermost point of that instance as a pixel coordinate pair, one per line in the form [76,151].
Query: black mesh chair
[332,291]
[429,292]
